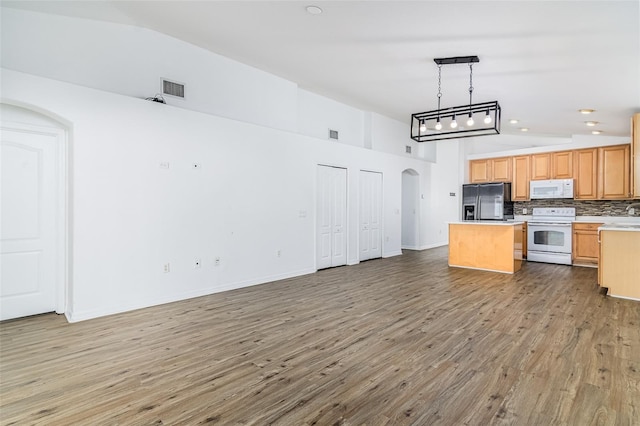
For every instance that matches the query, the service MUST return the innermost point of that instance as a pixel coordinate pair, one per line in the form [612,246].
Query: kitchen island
[619,268]
[486,245]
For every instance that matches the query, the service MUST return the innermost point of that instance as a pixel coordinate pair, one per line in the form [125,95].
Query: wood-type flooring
[399,341]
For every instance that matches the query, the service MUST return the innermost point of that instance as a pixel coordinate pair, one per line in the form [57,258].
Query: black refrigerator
[487,201]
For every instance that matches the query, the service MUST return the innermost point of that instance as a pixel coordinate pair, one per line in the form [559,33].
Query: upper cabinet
[585,166]
[552,165]
[501,169]
[520,185]
[562,165]
[613,172]
[490,170]
[635,155]
[541,166]
[479,171]
[602,173]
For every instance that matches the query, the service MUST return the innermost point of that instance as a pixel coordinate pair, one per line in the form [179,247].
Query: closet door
[370,215]
[331,247]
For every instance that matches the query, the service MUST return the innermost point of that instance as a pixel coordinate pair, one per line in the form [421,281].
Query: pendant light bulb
[454,124]
[438,125]
[423,126]
[470,120]
[487,118]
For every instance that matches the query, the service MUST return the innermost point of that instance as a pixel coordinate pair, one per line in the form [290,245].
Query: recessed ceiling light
[591,123]
[524,129]
[513,121]
[596,132]
[314,10]
[586,111]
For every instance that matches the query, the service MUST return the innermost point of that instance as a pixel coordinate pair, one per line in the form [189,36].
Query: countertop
[620,227]
[488,222]
[632,220]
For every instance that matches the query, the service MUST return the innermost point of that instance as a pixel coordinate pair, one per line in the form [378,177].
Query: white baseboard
[434,245]
[425,247]
[73,316]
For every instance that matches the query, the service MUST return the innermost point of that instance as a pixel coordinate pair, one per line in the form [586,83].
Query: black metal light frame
[461,113]
[427,120]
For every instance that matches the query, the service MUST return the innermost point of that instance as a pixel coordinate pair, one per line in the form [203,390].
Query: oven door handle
[564,225]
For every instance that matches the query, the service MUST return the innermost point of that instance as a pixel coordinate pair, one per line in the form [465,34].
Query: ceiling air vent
[407,149]
[172,88]
[333,134]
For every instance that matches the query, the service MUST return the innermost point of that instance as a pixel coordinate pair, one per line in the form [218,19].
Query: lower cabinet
[619,267]
[585,250]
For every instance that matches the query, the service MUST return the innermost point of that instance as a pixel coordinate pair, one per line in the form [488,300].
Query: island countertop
[620,227]
[488,222]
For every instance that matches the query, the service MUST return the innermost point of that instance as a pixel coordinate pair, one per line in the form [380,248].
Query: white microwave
[554,188]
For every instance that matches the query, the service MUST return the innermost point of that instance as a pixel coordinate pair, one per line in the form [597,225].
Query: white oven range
[549,235]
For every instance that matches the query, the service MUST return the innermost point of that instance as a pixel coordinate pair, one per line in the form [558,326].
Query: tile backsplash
[583,207]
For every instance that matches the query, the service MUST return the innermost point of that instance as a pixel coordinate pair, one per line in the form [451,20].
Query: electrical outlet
[166,268]
[217,261]
[632,211]
[197,263]
[278,253]
[524,210]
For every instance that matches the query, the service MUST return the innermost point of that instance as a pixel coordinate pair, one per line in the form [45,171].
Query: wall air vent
[407,149]
[172,88]
[333,134]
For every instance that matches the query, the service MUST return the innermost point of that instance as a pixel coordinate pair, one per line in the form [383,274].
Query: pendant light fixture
[427,126]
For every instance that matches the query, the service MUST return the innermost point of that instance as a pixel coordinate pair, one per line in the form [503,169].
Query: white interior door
[324,217]
[332,216]
[370,215]
[410,210]
[339,252]
[29,220]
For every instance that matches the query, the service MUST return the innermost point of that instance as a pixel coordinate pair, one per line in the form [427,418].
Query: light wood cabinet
[490,170]
[562,165]
[619,268]
[635,156]
[541,166]
[468,244]
[480,171]
[501,168]
[585,168]
[613,172]
[585,249]
[602,173]
[520,184]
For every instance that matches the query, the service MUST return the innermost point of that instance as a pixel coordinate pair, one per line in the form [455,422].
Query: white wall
[130,216]
[522,145]
[317,114]
[440,207]
[392,136]
[132,61]
[254,192]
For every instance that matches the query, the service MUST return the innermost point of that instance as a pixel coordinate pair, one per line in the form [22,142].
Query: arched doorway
[33,235]
[410,210]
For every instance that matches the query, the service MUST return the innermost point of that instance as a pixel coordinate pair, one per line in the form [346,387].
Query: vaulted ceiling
[542,60]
